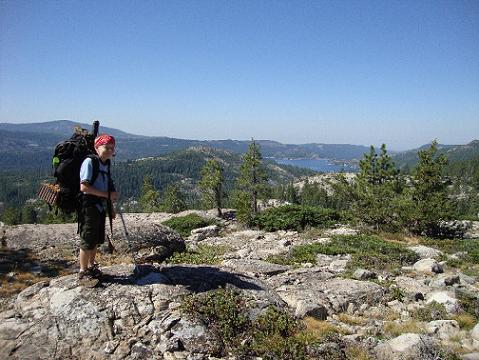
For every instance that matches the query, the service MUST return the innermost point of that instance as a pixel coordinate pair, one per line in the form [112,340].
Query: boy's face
[106,151]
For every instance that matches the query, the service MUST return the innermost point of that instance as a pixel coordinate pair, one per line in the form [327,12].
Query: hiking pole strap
[109,203]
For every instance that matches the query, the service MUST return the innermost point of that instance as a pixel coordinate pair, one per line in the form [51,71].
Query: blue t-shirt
[101,182]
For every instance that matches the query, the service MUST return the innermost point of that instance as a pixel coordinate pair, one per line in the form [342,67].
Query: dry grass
[320,329]
[400,238]
[312,233]
[21,281]
[20,263]
[352,320]
[394,329]
[387,314]
[357,352]
[466,321]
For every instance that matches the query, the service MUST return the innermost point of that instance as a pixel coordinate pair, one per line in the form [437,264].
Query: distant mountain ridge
[27,146]
[31,145]
[61,127]
[454,153]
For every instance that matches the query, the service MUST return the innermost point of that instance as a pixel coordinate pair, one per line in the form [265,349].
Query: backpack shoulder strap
[96,167]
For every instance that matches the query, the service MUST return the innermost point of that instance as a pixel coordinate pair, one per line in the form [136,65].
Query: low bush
[296,217]
[272,335]
[203,254]
[432,311]
[367,251]
[184,224]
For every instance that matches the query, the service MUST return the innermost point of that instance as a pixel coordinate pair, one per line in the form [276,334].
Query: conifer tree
[174,201]
[377,190]
[250,184]
[430,193]
[150,197]
[211,184]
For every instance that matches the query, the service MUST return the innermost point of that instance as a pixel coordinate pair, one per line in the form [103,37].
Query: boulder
[344,230]
[475,332]
[204,232]
[405,347]
[425,252]
[362,274]
[470,356]
[141,235]
[445,298]
[443,329]
[339,264]
[412,287]
[319,288]
[472,231]
[428,266]
[445,280]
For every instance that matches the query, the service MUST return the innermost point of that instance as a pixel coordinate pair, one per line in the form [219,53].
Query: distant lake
[323,165]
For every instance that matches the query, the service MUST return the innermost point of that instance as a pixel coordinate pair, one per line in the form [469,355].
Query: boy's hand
[114,196]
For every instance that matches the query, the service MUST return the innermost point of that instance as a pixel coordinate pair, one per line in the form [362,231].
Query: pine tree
[313,195]
[150,197]
[250,184]
[430,193]
[377,190]
[29,214]
[211,184]
[174,201]
[11,216]
[292,194]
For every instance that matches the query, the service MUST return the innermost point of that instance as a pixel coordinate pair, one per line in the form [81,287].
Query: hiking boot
[95,271]
[86,279]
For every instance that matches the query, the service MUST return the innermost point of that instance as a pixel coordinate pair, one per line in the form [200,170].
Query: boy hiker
[98,191]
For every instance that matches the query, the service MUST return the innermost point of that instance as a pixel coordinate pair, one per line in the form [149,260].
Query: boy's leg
[84,259]
[89,236]
[91,257]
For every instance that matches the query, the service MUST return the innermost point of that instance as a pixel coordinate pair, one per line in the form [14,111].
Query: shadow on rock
[193,278]
[204,278]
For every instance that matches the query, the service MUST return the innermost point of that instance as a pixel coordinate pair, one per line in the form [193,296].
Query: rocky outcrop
[141,235]
[134,313]
[320,294]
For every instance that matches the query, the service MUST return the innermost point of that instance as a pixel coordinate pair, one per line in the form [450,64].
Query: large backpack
[67,160]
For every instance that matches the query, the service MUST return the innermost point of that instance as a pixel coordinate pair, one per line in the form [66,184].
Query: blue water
[323,165]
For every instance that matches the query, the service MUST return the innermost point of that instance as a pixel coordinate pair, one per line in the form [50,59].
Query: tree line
[379,196]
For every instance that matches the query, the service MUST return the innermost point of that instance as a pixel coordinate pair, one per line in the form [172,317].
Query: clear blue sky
[358,72]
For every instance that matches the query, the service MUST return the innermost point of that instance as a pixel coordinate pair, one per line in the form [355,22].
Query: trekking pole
[124,225]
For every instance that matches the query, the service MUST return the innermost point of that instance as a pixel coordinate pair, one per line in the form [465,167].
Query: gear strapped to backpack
[67,160]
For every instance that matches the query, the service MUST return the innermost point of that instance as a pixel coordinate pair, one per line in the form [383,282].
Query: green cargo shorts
[92,228]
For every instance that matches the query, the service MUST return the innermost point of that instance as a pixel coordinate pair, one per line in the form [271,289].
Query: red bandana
[104,140]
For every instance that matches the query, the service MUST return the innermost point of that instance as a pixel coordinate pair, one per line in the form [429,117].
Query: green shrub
[272,335]
[432,311]
[367,251]
[204,254]
[295,217]
[184,224]
[223,311]
[469,302]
